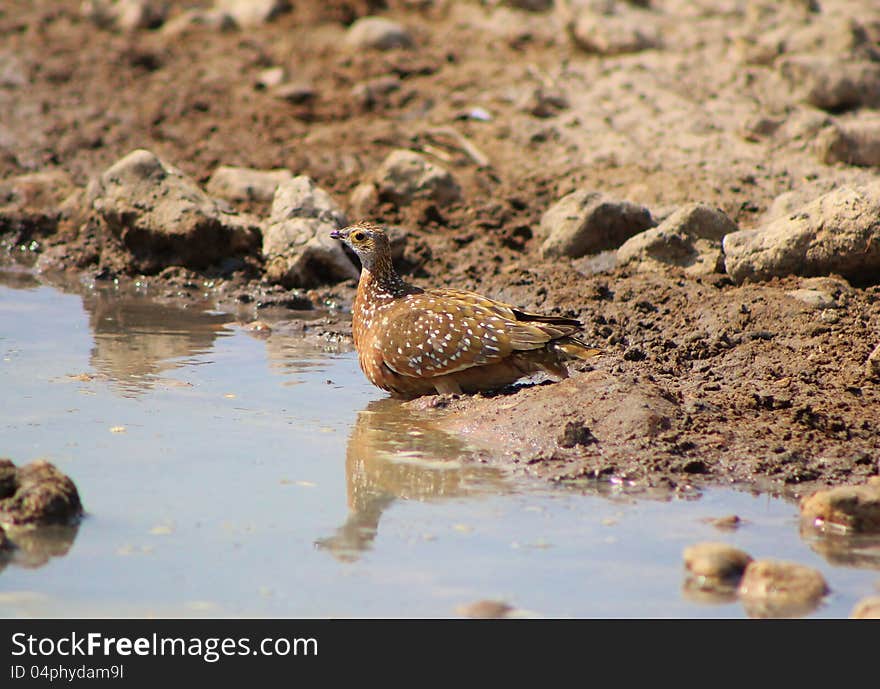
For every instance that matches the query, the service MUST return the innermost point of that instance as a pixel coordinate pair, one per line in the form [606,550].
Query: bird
[413,341]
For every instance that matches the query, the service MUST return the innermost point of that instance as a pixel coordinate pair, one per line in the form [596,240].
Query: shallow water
[226,474]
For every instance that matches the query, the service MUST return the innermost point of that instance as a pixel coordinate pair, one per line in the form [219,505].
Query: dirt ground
[701,379]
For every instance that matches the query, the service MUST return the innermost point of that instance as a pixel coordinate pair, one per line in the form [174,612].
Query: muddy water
[226,474]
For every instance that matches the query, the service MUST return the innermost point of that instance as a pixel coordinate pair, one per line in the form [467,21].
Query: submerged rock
[837,233]
[772,588]
[716,562]
[866,609]
[587,222]
[36,494]
[484,609]
[853,508]
[297,246]
[164,218]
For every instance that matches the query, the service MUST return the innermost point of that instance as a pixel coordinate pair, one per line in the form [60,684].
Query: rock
[271,77]
[716,562]
[614,34]
[689,238]
[730,522]
[377,33]
[247,13]
[36,494]
[13,71]
[872,364]
[814,298]
[214,19]
[837,233]
[127,15]
[543,103]
[852,508]
[297,246]
[296,93]
[43,191]
[484,609]
[406,175]
[373,92]
[853,143]
[866,609]
[245,184]
[587,222]
[163,218]
[833,84]
[363,200]
[772,588]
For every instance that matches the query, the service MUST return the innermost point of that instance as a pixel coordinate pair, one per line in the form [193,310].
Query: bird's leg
[447,386]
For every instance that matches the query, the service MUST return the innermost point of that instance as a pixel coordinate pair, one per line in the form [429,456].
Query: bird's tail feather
[573,348]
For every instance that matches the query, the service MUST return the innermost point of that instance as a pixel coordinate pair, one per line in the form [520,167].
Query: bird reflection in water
[393,454]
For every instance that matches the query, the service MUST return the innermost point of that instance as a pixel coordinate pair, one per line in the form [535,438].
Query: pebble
[247,13]
[484,609]
[377,33]
[773,588]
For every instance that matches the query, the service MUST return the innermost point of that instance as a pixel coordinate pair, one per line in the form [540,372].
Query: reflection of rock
[393,453]
[36,494]
[34,547]
[843,549]
[137,339]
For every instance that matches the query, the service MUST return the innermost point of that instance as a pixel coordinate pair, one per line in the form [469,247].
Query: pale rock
[377,33]
[406,175]
[837,233]
[689,238]
[587,222]
[297,245]
[163,218]
[246,184]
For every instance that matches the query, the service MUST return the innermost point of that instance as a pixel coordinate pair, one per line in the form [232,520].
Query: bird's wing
[432,334]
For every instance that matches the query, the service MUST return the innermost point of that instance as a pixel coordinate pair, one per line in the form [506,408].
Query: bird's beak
[337,234]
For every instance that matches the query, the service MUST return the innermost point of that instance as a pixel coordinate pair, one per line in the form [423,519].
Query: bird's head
[368,241]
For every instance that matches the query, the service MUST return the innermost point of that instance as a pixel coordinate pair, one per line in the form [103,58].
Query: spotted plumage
[415,341]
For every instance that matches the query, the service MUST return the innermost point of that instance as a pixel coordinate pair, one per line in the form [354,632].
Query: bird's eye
[358,236]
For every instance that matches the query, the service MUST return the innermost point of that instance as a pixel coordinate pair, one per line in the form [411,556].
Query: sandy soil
[702,379]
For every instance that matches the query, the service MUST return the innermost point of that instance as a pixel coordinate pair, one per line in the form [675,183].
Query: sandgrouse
[414,341]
